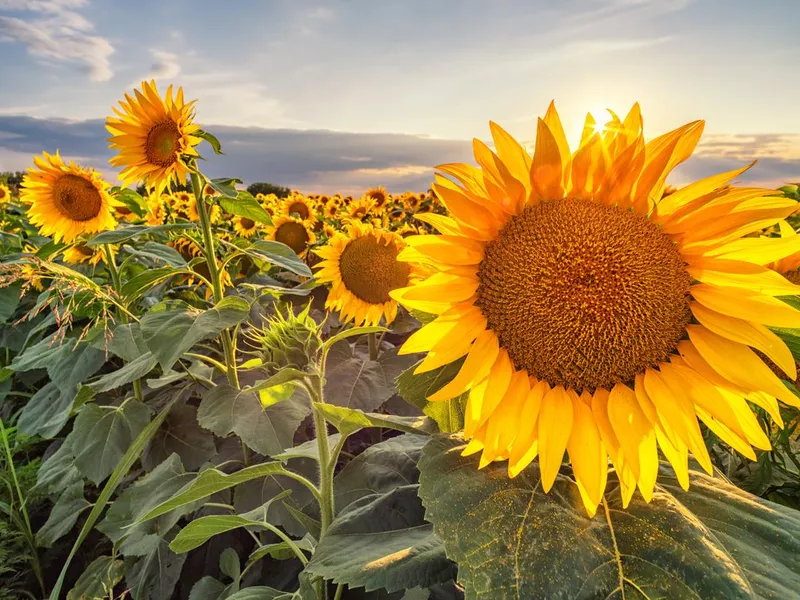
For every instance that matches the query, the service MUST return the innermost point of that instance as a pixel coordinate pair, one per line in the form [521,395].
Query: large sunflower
[362,267]
[153,136]
[595,317]
[293,232]
[66,200]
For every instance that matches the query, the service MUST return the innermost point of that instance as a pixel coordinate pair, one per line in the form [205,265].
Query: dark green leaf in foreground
[98,579]
[154,576]
[170,333]
[383,541]
[278,254]
[65,513]
[415,389]
[513,541]
[182,435]
[268,431]
[130,232]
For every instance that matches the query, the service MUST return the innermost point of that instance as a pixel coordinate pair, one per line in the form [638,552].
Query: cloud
[165,66]
[57,33]
[331,161]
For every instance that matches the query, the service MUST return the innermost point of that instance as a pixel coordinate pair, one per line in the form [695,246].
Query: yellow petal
[747,305]
[476,367]
[629,423]
[555,424]
[525,446]
[546,170]
[740,274]
[588,456]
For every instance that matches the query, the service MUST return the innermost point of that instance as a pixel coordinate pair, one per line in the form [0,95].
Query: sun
[594,314]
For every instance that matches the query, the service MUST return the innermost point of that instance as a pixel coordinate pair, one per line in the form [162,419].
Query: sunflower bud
[290,340]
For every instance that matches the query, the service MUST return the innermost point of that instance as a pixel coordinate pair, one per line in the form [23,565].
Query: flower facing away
[245,227]
[152,136]
[83,254]
[594,316]
[362,267]
[67,200]
[294,232]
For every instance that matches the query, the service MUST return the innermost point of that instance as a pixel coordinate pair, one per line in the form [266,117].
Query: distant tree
[261,187]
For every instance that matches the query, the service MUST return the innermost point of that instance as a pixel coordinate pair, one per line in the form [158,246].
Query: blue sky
[328,96]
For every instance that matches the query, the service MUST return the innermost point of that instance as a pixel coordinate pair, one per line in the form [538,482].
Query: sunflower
[208,190]
[123,213]
[298,206]
[379,196]
[358,209]
[5,193]
[594,318]
[67,200]
[153,136]
[329,230]
[245,227]
[31,277]
[362,267]
[83,254]
[789,266]
[293,232]
[156,210]
[411,202]
[187,247]
[331,209]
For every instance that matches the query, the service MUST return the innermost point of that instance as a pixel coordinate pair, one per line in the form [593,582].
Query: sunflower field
[552,375]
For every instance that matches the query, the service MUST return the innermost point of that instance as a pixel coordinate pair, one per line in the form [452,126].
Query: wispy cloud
[165,66]
[55,32]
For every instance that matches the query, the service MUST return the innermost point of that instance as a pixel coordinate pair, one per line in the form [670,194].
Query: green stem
[373,346]
[339,590]
[111,263]
[213,271]
[37,568]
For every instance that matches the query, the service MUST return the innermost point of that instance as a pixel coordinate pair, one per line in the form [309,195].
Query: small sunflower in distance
[362,267]
[293,232]
[596,317]
[245,227]
[67,200]
[5,193]
[358,209]
[379,197]
[153,136]
[299,207]
[83,254]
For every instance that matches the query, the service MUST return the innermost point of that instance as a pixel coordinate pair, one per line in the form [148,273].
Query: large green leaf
[128,342]
[155,575]
[513,541]
[278,254]
[268,431]
[245,205]
[383,541]
[9,300]
[159,252]
[355,381]
[347,421]
[59,471]
[121,523]
[199,531]
[98,579]
[140,283]
[415,389]
[63,516]
[47,411]
[379,469]
[210,482]
[169,334]
[129,372]
[130,232]
[102,435]
[182,435]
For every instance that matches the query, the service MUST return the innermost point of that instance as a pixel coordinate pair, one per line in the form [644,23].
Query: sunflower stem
[213,271]
[374,349]
[111,263]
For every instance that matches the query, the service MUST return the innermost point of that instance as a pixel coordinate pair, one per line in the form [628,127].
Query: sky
[344,95]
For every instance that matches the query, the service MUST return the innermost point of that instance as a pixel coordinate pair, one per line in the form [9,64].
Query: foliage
[266,189]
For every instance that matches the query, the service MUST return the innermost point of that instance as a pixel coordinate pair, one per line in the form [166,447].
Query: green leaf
[9,300]
[199,531]
[352,331]
[260,592]
[354,381]
[210,482]
[280,550]
[383,541]
[131,456]
[226,186]
[285,375]
[379,469]
[130,232]
[244,205]
[131,371]
[74,365]
[513,541]
[102,435]
[347,421]
[215,145]
[132,200]
[154,576]
[58,471]
[181,434]
[791,338]
[278,254]
[99,579]
[309,449]
[121,524]
[159,252]
[208,588]
[46,412]
[127,342]
[268,431]
[137,285]
[229,564]
[63,516]
[415,389]
[169,334]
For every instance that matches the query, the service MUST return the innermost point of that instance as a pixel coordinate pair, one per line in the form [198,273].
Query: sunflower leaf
[714,541]
[244,205]
[212,140]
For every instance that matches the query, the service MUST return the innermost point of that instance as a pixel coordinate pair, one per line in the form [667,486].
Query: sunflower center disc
[247,223]
[76,198]
[161,146]
[370,269]
[293,235]
[584,295]
[300,209]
